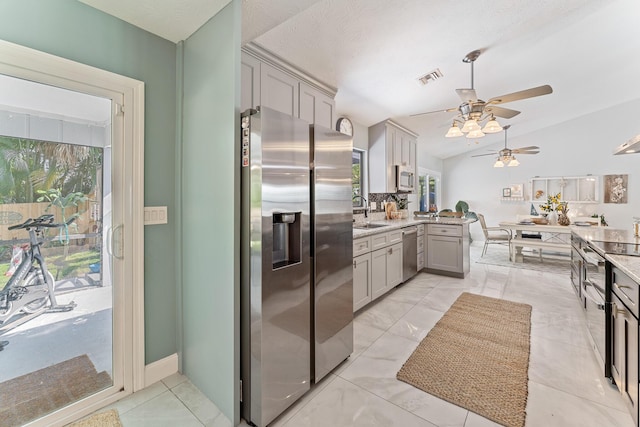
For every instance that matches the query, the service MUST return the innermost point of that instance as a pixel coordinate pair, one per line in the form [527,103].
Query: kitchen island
[611,256]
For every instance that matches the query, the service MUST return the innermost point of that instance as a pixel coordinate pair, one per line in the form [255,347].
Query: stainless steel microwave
[405,178]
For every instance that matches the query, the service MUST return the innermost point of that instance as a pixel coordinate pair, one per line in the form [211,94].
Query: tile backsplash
[375,201]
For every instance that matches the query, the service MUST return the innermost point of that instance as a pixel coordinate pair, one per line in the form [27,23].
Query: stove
[619,248]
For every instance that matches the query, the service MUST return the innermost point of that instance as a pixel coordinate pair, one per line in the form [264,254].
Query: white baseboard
[160,369]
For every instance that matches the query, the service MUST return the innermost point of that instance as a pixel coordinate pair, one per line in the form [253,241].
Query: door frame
[30,64]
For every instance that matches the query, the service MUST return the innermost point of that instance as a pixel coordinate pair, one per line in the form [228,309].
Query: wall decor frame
[616,188]
[517,190]
[506,192]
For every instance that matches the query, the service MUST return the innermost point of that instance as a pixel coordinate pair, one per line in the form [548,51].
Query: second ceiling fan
[506,155]
[473,111]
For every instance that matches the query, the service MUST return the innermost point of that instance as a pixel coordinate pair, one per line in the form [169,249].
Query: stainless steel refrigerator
[296,273]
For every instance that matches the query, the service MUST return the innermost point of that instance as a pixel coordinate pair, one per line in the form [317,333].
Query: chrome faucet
[366,204]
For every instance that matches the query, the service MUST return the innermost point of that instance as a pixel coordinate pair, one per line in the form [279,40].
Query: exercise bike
[31,289]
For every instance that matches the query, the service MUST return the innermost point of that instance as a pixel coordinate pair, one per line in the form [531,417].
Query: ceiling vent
[430,76]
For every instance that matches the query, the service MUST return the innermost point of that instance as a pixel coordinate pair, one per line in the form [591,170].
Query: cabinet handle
[390,250]
[620,287]
[355,265]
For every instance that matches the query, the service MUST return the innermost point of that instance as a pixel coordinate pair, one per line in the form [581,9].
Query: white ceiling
[373,51]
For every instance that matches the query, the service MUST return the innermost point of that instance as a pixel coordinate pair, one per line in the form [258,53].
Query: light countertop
[630,265]
[605,234]
[395,224]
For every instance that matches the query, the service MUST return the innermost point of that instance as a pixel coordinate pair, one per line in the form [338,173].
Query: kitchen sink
[368,226]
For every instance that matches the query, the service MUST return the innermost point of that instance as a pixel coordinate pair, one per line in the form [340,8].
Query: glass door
[428,190]
[57,287]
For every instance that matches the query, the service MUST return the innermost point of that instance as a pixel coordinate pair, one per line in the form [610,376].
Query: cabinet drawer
[420,229]
[379,241]
[395,236]
[444,230]
[361,246]
[627,290]
[420,244]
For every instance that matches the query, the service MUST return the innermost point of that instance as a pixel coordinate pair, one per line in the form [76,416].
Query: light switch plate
[155,215]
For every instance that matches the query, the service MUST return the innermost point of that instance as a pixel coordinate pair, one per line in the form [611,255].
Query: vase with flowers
[552,207]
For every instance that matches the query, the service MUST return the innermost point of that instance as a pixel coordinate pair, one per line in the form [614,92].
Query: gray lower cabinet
[377,266]
[624,337]
[386,269]
[421,245]
[448,249]
[361,281]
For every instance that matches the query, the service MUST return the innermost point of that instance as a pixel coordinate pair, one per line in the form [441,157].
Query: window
[357,179]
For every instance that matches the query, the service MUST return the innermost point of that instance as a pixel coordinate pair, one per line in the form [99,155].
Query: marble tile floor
[566,387]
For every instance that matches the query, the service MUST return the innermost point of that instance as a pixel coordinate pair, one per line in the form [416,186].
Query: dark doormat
[38,393]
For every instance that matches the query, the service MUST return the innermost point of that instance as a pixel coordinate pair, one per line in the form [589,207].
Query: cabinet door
[316,107]
[406,149]
[361,281]
[378,273]
[624,354]
[394,265]
[278,90]
[393,158]
[445,253]
[412,155]
[397,147]
[250,82]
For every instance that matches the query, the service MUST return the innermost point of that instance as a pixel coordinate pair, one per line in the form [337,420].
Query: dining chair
[498,235]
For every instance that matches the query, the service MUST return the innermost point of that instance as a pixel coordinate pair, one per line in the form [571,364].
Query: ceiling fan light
[475,133]
[498,164]
[492,126]
[454,131]
[470,125]
[513,162]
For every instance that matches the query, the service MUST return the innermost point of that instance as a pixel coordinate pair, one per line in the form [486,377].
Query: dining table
[551,237]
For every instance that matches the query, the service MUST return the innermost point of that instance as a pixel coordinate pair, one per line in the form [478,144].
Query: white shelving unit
[572,189]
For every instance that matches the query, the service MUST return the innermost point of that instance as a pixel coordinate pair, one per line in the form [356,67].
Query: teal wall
[210,206]
[72,30]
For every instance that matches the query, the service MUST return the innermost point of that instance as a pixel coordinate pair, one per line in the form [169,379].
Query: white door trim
[26,63]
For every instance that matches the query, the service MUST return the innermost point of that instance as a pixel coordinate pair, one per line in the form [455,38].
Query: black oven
[576,264]
[595,302]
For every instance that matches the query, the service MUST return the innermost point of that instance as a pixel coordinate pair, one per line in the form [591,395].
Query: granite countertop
[597,236]
[630,265]
[605,234]
[395,224]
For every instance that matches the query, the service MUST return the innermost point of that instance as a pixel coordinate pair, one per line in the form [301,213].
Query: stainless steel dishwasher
[409,252]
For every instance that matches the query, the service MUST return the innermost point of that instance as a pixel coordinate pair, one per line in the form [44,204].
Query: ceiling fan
[473,111]
[506,155]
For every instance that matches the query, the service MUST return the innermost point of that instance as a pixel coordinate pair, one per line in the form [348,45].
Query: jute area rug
[104,419]
[38,393]
[477,357]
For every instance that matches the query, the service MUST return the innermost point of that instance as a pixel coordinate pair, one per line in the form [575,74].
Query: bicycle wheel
[35,282]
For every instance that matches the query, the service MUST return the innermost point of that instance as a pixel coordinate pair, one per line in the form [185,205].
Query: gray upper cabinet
[389,145]
[316,107]
[269,81]
[250,83]
[278,90]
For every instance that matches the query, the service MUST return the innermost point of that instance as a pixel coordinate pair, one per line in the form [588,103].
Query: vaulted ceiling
[373,51]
